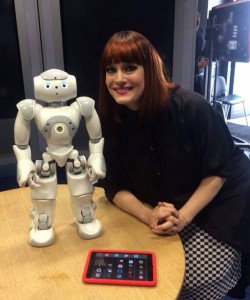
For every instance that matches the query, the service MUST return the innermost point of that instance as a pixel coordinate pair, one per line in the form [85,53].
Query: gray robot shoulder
[86,105]
[27,108]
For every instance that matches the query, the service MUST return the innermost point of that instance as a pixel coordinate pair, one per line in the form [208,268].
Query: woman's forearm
[204,194]
[129,203]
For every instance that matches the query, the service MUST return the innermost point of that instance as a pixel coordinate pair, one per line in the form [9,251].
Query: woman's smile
[122,90]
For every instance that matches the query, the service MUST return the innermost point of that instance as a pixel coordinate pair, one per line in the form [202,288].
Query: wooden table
[55,272]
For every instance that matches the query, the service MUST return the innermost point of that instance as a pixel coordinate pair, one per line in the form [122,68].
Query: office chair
[243,145]
[227,100]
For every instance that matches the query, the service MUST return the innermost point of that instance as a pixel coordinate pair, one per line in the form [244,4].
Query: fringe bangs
[123,51]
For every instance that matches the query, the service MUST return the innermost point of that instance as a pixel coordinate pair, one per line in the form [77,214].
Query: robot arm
[96,162]
[25,166]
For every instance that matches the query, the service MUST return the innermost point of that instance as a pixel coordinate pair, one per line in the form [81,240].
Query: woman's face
[125,83]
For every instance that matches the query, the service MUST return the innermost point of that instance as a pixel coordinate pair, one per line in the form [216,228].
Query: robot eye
[47,85]
[64,84]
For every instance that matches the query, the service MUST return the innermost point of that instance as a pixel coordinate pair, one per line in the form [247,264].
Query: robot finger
[93,178]
[33,180]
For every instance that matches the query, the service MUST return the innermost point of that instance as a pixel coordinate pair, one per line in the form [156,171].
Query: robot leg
[83,207]
[41,230]
[43,212]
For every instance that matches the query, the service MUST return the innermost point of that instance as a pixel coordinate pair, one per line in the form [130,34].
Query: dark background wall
[11,81]
[86,26]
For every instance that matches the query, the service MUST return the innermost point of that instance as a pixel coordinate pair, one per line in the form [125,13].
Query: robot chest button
[58,125]
[60,128]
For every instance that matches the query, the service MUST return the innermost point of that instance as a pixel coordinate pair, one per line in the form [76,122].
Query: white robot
[58,123]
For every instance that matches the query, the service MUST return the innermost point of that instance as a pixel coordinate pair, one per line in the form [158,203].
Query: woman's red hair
[132,47]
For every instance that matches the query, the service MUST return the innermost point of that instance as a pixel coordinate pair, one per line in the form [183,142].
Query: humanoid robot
[58,123]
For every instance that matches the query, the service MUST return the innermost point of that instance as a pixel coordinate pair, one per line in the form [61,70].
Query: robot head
[54,86]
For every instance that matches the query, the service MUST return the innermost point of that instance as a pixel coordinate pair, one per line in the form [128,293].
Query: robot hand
[26,169]
[25,172]
[96,167]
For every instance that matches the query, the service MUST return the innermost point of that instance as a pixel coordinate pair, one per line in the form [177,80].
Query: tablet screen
[120,267]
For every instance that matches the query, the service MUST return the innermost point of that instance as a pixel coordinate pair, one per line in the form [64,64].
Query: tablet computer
[121,267]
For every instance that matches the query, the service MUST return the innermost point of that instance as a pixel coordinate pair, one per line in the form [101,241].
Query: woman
[168,148]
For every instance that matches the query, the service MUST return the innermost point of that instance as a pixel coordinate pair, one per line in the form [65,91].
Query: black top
[167,160]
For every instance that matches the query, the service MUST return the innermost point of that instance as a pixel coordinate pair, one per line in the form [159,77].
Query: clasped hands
[166,219]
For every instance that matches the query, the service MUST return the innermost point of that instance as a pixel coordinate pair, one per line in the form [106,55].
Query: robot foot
[41,238]
[89,230]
